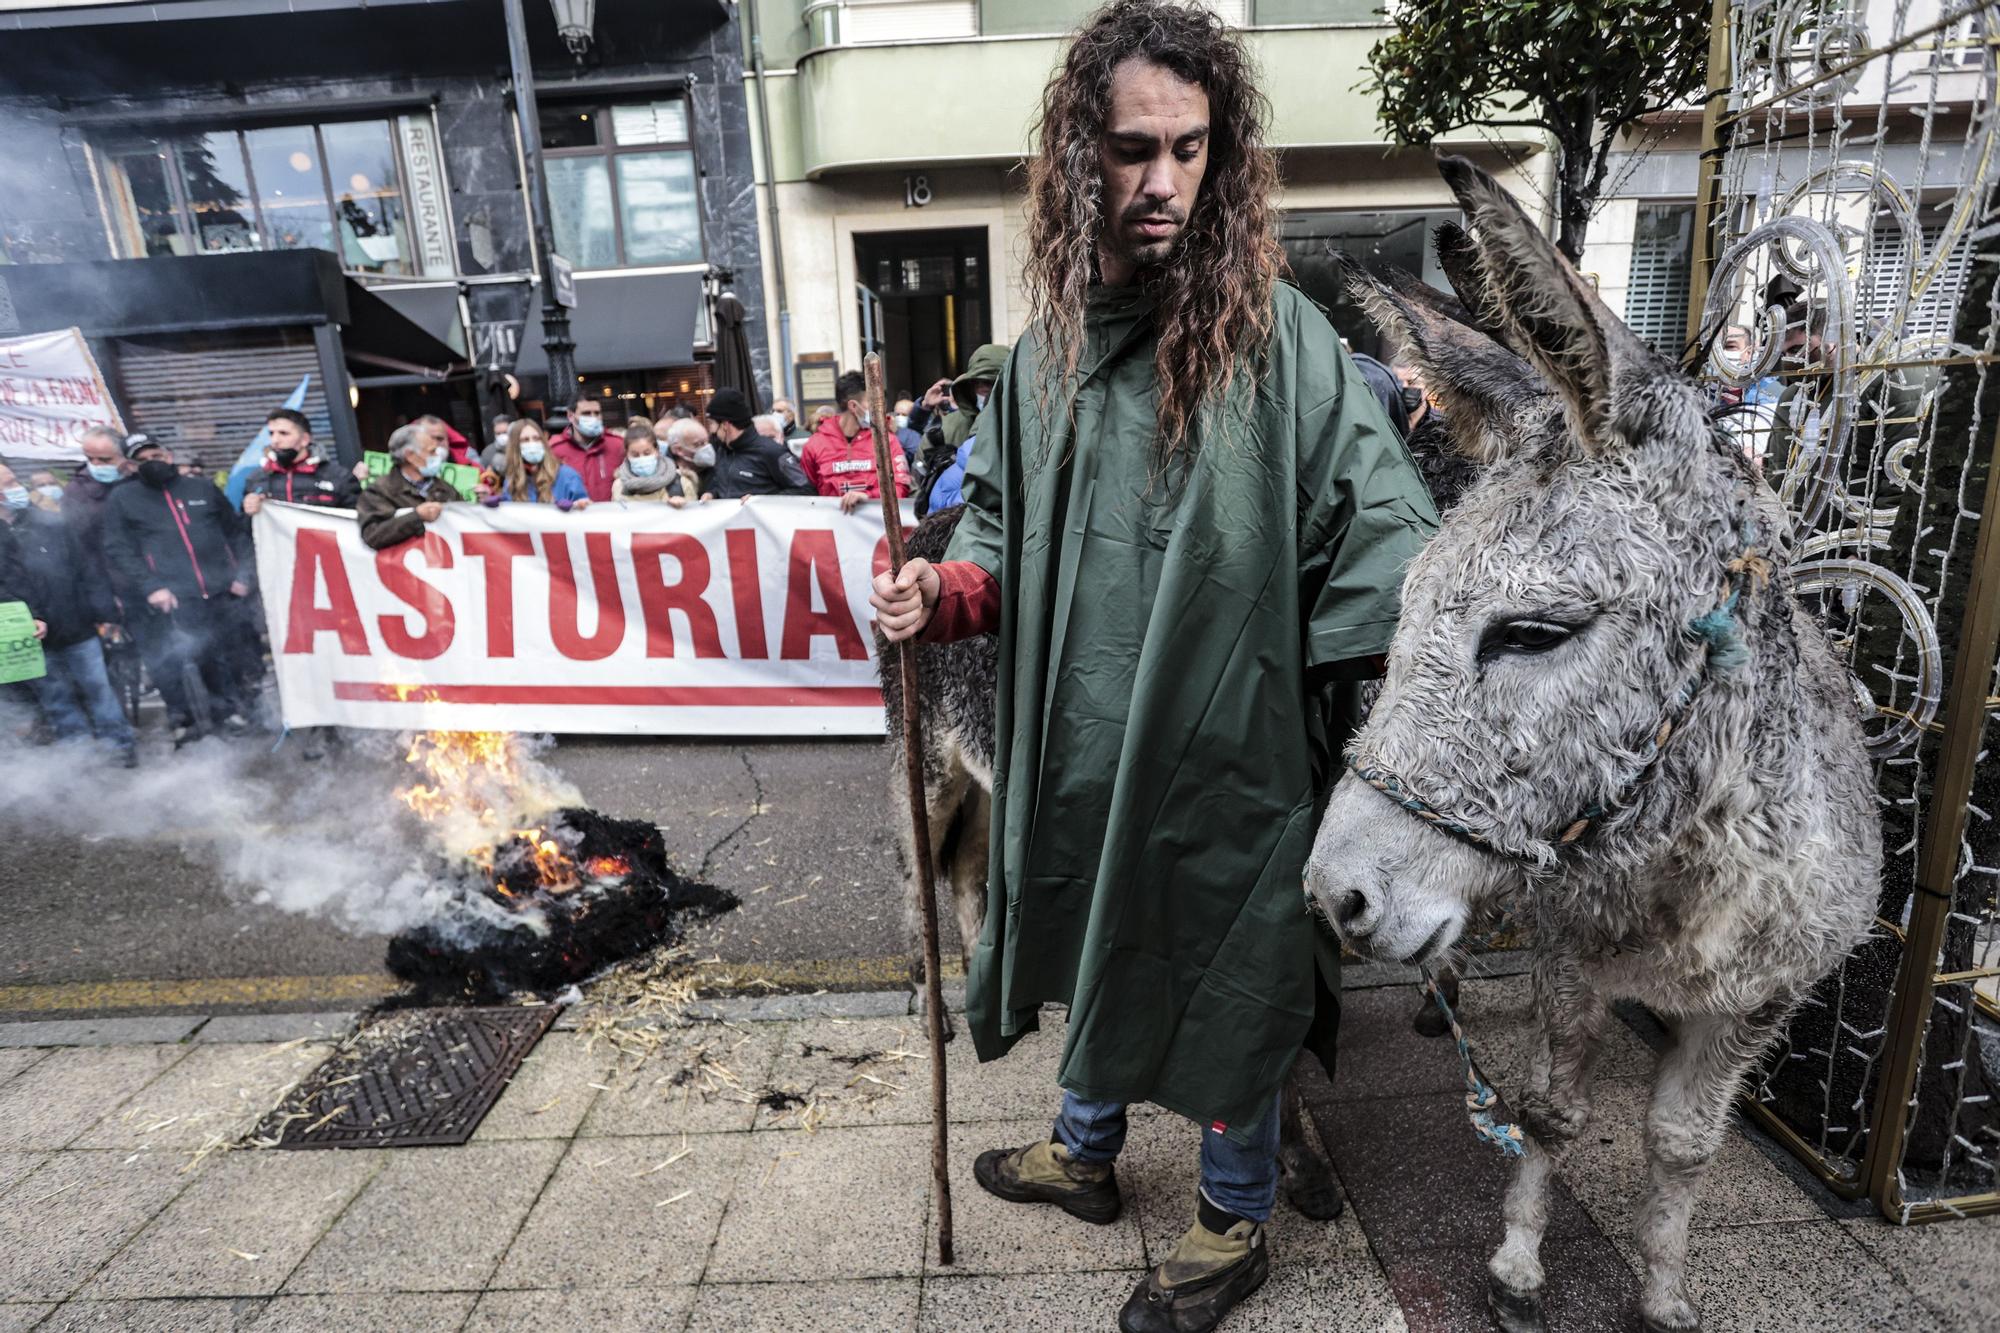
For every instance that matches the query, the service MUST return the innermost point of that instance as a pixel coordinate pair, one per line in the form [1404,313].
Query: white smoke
[329,839]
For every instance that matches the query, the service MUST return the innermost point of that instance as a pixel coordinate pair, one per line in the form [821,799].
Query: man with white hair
[693,455]
[104,466]
[413,492]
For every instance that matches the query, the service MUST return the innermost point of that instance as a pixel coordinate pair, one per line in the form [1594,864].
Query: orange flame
[471,786]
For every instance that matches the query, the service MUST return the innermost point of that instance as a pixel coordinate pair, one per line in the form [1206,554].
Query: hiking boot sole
[1099,1205]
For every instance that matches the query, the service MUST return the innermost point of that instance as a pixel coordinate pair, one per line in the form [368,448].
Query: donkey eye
[1523,637]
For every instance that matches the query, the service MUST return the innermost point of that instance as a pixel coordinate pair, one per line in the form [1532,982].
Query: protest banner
[51,392]
[721,619]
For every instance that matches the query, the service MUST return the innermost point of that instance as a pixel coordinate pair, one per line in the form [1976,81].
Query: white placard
[51,392]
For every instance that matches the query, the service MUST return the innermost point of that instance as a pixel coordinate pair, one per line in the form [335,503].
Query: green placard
[464,478]
[20,650]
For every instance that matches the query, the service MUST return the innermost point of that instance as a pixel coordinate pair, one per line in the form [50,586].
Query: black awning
[112,298]
[85,16]
[431,306]
[377,334]
[622,321]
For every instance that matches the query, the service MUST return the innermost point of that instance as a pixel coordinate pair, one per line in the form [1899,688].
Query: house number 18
[916,191]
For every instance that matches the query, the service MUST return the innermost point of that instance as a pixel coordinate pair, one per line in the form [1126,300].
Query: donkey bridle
[1722,646]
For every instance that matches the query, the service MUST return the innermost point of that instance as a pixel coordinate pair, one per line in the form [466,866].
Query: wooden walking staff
[913,759]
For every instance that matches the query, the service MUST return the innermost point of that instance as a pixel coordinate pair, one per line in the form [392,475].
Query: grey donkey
[1603,700]
[959,682]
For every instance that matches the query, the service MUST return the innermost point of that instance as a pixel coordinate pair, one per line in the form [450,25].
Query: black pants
[200,631]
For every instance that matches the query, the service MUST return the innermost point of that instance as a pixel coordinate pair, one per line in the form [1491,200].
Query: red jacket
[597,462]
[836,465]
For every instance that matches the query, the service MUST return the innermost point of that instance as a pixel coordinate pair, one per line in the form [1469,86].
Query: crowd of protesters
[140,558]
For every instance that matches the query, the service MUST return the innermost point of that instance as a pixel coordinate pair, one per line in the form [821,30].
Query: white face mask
[533,452]
[902,421]
[704,457]
[980,398]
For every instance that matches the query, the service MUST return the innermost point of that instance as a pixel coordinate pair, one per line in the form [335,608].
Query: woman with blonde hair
[530,473]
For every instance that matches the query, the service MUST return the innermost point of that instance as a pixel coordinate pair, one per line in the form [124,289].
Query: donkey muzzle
[1385,882]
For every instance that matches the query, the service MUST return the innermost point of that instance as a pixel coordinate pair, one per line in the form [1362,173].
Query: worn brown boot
[1046,1173]
[1217,1265]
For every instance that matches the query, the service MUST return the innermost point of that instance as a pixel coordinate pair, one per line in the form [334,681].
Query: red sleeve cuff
[968,603]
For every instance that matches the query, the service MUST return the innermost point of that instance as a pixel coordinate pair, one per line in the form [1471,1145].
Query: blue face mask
[104,472]
[15,496]
[435,464]
[590,427]
[533,452]
[643,465]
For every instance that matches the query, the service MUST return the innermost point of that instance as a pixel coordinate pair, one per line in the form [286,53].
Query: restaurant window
[622,184]
[336,187]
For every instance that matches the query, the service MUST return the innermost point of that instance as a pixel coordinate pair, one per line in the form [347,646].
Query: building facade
[138,140]
[891,139]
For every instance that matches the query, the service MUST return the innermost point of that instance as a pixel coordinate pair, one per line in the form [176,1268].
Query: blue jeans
[77,698]
[1237,1178]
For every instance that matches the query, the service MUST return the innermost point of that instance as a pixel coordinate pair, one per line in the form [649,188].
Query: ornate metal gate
[1847,307]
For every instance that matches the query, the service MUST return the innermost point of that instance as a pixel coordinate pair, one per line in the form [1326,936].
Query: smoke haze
[329,840]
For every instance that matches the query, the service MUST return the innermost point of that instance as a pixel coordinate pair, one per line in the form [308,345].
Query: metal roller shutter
[205,395]
[1656,296]
[1929,317]
[908,20]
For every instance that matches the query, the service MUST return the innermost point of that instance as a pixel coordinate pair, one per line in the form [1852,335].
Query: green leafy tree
[1580,71]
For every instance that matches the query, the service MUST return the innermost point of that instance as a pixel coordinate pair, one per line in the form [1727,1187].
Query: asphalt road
[228,876]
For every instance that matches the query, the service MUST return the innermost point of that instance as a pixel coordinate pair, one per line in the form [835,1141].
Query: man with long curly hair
[1187,519]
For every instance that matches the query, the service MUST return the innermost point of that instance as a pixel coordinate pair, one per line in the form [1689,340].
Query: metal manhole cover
[419,1078]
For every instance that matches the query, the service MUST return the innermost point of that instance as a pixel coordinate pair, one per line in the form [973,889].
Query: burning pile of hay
[548,893]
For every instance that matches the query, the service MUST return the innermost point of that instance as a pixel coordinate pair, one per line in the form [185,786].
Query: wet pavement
[139,893]
[673,1193]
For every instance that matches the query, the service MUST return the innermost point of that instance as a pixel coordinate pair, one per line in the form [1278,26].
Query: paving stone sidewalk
[676,1195]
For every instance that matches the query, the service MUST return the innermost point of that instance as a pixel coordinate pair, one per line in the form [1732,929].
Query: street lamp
[573,23]
[557,288]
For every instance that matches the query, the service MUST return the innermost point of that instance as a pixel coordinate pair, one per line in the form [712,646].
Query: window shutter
[1656,297]
[908,20]
[205,396]
[1928,318]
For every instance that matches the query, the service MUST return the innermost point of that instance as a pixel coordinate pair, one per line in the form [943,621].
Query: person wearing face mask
[530,473]
[945,435]
[840,458]
[295,471]
[789,429]
[908,436]
[41,566]
[411,493]
[594,452]
[489,457]
[181,561]
[651,475]
[103,467]
[45,492]
[747,461]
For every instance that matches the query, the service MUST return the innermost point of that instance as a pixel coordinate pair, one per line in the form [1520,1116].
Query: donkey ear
[1484,386]
[1458,256]
[1549,312]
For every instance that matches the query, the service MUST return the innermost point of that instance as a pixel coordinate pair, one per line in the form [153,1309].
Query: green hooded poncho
[1165,717]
